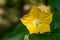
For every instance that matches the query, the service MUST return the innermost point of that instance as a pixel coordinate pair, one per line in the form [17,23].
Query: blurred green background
[11,27]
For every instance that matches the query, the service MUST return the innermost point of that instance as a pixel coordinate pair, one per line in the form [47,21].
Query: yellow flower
[38,20]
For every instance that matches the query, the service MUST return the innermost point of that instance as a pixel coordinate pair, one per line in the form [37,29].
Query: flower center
[36,22]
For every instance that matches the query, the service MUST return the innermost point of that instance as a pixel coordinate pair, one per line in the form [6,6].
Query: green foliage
[55,4]
[21,33]
[17,33]
[12,3]
[27,2]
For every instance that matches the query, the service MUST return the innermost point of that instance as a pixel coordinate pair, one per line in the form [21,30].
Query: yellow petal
[47,19]
[35,13]
[44,8]
[27,21]
[32,29]
[42,28]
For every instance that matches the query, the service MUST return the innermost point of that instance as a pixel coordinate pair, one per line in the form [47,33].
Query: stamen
[36,22]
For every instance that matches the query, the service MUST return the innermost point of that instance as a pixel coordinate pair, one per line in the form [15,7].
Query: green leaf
[14,37]
[55,4]
[18,33]
[21,29]
[55,35]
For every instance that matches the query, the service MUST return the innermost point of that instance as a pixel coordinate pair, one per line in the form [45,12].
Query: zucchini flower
[38,19]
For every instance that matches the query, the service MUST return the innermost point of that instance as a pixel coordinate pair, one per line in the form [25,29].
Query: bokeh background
[11,27]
